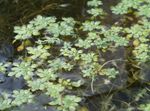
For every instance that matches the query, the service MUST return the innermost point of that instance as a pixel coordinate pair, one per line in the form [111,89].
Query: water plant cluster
[63,46]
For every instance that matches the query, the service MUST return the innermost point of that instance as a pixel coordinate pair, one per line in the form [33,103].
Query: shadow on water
[120,94]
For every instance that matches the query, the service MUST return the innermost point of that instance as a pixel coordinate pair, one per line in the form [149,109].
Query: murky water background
[118,96]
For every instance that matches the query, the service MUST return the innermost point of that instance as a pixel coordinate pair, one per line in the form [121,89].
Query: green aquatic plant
[125,6]
[42,52]
[63,46]
[17,98]
[140,95]
[138,31]
[139,7]
[3,67]
[24,69]
[21,96]
[5,101]
[68,103]
[145,107]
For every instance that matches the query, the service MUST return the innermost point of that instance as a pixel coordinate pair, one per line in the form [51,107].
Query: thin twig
[109,62]
[92,82]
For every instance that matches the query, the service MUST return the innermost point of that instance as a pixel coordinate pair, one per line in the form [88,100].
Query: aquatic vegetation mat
[69,61]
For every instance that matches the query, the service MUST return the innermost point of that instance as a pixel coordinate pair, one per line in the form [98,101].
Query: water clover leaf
[145,22]
[38,84]
[53,29]
[113,35]
[110,72]
[65,83]
[5,104]
[24,69]
[124,6]
[33,28]
[93,35]
[70,21]
[95,12]
[70,52]
[101,43]
[59,64]
[94,3]
[38,52]
[91,25]
[67,26]
[5,101]
[144,10]
[84,43]
[90,70]
[52,40]
[93,39]
[69,103]
[16,99]
[46,74]
[41,22]
[137,31]
[69,84]
[141,6]
[67,45]
[89,58]
[120,41]
[3,67]
[54,90]
[142,52]
[23,32]
[21,97]
[145,107]
[88,42]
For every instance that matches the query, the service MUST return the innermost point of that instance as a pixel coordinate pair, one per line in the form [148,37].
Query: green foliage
[71,52]
[111,72]
[94,3]
[40,52]
[24,69]
[141,33]
[22,96]
[140,95]
[54,90]
[67,103]
[140,30]
[47,74]
[144,10]
[63,46]
[59,64]
[125,6]
[69,83]
[3,67]
[114,35]
[5,101]
[145,107]
[16,99]
[91,25]
[95,10]
[38,84]
[142,52]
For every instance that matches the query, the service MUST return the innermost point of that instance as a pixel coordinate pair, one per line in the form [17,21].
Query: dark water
[118,96]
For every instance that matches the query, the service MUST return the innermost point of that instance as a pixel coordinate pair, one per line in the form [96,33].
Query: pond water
[118,95]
